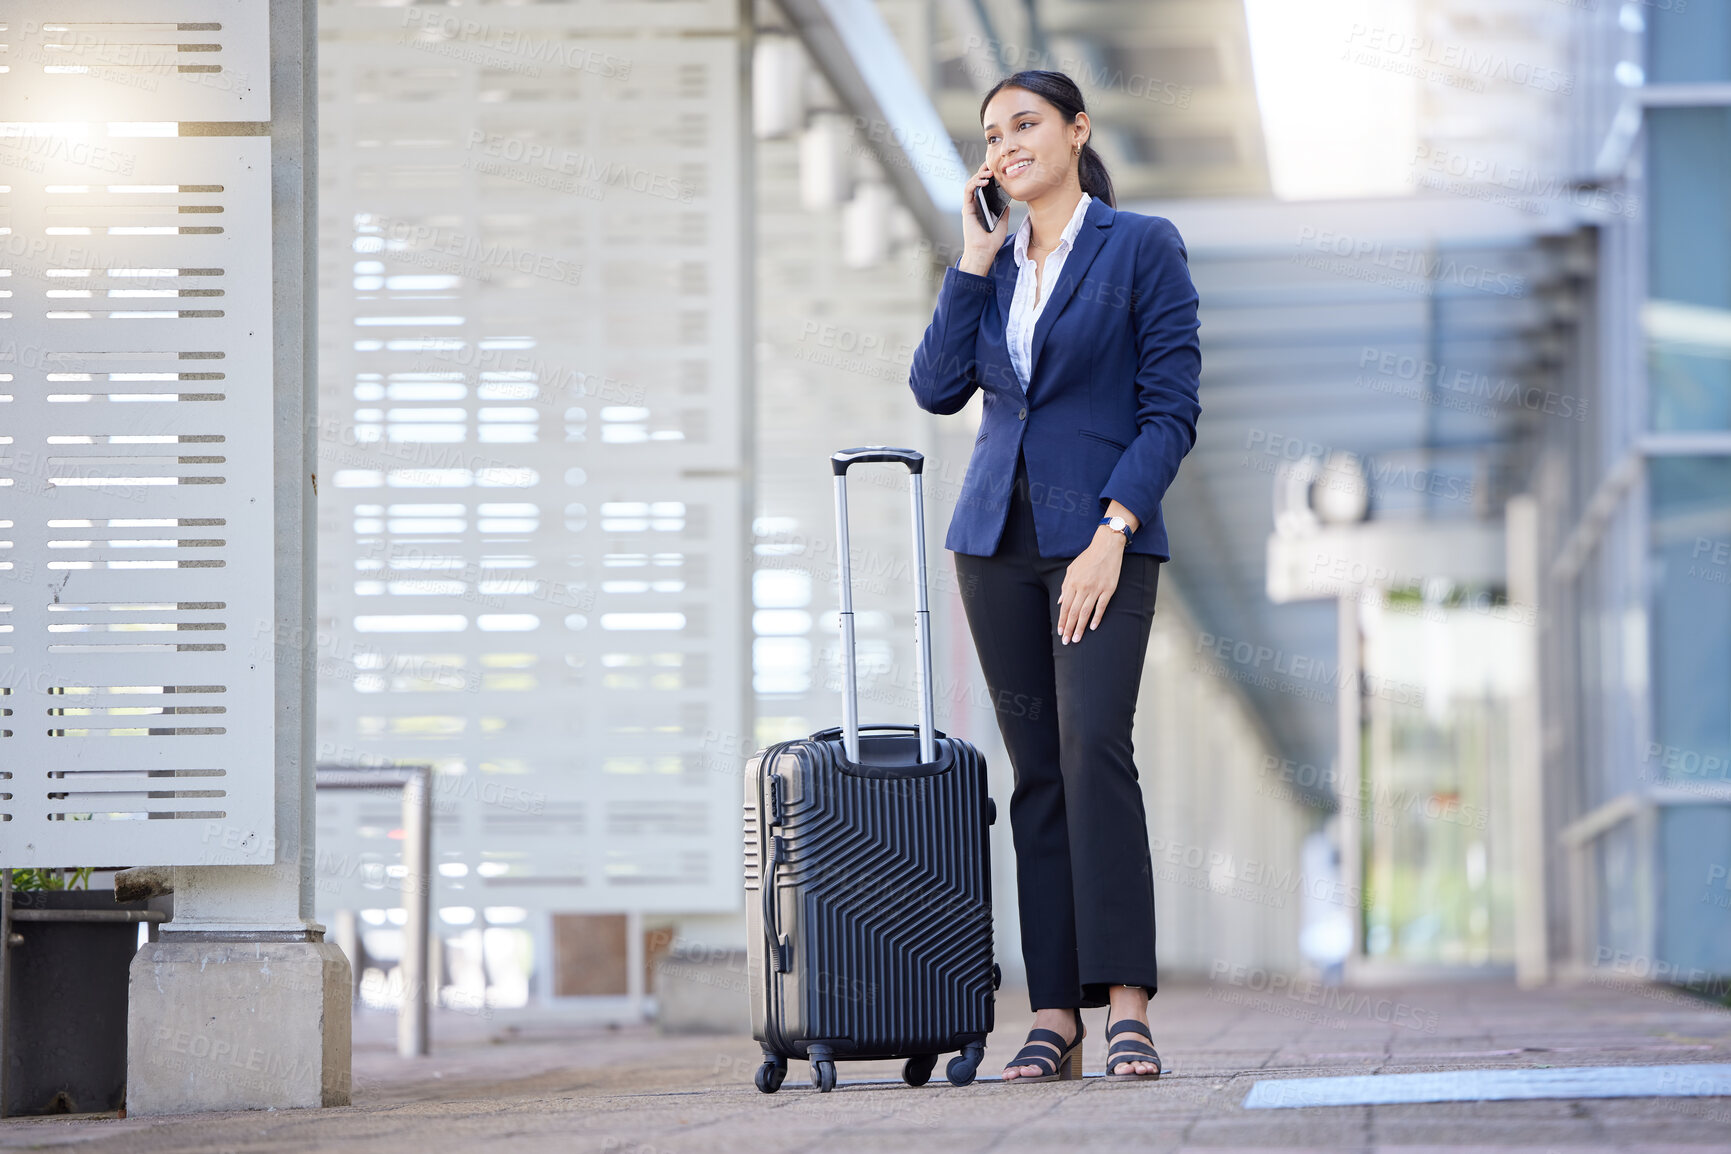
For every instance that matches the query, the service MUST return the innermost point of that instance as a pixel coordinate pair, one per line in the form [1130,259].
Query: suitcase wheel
[965,1065]
[822,1067]
[918,1071]
[769,1076]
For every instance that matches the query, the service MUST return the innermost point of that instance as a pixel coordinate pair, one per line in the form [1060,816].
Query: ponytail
[1096,181]
[1061,93]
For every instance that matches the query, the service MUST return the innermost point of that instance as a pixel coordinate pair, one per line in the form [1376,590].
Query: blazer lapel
[1004,273]
[1002,374]
[1090,239]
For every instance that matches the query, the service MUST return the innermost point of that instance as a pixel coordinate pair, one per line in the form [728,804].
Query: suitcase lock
[774,799]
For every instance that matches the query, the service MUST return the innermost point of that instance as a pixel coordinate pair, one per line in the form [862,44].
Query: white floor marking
[1707,1080]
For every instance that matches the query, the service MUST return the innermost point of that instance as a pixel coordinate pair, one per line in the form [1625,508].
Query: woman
[1081,334]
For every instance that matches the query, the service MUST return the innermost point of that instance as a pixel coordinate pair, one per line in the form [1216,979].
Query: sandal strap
[1112,1065]
[1031,1057]
[1128,1024]
[1130,1050]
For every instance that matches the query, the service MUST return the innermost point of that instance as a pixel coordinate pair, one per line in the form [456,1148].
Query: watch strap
[1122,527]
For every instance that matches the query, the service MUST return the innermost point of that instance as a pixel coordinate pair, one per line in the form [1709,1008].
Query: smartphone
[989,204]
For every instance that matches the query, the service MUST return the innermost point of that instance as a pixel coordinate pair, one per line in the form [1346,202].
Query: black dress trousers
[1083,871]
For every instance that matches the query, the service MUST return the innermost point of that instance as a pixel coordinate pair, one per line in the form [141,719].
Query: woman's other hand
[1089,583]
[979,247]
[1092,577]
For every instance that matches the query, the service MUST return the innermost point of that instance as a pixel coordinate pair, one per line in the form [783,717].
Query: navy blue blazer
[1111,405]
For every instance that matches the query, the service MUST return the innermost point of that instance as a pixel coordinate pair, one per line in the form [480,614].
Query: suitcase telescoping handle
[840,463]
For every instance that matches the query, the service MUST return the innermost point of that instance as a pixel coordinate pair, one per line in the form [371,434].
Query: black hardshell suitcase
[869,903]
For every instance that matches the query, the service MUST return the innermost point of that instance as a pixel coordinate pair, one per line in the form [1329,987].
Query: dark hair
[1061,93]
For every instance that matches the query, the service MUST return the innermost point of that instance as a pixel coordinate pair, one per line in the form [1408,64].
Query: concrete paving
[512,1083]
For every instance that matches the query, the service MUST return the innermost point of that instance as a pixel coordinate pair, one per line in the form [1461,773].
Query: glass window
[1695,903]
[1688,42]
[1691,653]
[1688,314]
[1438,862]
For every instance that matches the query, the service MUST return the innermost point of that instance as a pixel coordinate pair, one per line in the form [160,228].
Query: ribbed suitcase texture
[868,871]
[877,940]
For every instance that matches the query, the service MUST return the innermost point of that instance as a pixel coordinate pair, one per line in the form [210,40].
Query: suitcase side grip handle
[780,948]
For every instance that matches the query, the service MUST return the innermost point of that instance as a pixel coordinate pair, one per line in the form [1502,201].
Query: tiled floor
[544,1086]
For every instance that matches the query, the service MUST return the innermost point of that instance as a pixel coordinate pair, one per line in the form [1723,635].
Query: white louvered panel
[136,60]
[136,569]
[542,736]
[532,333]
[547,36]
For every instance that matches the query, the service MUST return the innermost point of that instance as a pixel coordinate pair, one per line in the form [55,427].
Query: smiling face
[1029,145]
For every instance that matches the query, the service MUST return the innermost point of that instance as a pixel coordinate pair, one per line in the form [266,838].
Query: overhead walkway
[1423,336]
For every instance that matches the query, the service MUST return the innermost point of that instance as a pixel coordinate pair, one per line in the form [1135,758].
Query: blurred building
[1441,674]
[845,295]
[535,406]
[1635,514]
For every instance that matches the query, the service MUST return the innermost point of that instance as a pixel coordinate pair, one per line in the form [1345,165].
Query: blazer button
[1022,413]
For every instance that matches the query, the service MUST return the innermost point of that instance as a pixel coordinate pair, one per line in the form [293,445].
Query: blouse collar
[1065,241]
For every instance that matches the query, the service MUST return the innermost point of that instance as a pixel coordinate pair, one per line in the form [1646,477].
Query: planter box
[699,990]
[66,1006]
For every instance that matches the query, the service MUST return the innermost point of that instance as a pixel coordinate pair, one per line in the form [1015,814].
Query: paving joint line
[1006,1131]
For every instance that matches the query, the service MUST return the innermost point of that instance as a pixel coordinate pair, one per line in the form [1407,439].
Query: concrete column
[241,1003]
[420,984]
[345,931]
[1349,723]
[1531,839]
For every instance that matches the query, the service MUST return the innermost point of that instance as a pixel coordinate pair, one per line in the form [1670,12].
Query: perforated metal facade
[532,521]
[136,437]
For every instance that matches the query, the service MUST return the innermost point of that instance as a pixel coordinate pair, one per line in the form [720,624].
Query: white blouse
[1024,309]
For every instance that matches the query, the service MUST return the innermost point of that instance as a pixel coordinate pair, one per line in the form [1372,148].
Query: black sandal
[1068,1066]
[1130,1049]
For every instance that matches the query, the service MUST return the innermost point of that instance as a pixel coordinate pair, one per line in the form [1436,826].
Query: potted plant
[68,953]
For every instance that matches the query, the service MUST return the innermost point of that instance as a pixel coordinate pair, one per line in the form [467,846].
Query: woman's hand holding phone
[979,247]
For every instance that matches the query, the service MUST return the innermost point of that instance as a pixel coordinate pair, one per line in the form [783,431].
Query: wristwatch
[1118,525]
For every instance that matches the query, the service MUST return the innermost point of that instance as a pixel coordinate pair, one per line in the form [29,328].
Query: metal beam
[1260,224]
[971,19]
[412,1015]
[416,784]
[896,120]
[1380,553]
